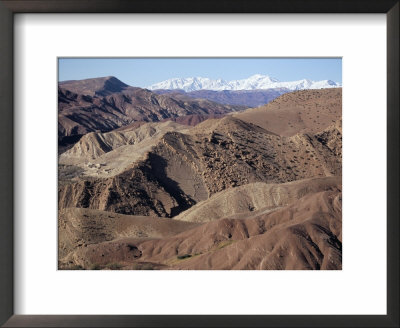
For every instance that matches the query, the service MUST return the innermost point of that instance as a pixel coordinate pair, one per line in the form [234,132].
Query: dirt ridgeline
[194,119]
[80,227]
[105,104]
[255,197]
[254,190]
[115,150]
[304,234]
[306,111]
[166,175]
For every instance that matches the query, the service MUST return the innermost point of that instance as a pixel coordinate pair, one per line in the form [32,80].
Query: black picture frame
[11,7]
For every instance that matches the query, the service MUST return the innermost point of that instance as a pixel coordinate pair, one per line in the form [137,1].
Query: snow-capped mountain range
[255,82]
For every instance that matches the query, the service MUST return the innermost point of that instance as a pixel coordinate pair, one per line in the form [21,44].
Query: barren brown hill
[105,154]
[305,234]
[259,189]
[100,86]
[193,120]
[80,227]
[182,169]
[255,198]
[306,111]
[113,107]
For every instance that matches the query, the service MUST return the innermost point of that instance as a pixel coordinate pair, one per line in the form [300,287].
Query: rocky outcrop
[185,168]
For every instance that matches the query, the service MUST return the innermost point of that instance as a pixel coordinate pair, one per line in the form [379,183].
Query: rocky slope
[182,169]
[115,150]
[80,227]
[255,198]
[254,190]
[303,234]
[307,111]
[105,104]
[193,120]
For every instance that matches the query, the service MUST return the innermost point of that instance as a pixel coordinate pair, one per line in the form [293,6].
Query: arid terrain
[105,104]
[170,180]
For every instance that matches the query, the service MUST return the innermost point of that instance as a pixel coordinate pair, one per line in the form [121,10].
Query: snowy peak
[254,82]
[190,84]
[261,78]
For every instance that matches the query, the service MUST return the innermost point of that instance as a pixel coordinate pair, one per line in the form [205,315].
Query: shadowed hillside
[182,169]
[303,234]
[105,104]
[166,181]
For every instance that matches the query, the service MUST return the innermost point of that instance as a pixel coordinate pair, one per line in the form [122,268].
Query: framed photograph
[215,164]
[198,173]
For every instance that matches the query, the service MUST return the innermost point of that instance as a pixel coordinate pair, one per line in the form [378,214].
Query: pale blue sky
[142,72]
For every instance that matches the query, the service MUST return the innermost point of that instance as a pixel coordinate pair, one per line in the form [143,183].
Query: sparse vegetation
[71,267]
[114,266]
[67,172]
[143,266]
[225,243]
[95,267]
[237,171]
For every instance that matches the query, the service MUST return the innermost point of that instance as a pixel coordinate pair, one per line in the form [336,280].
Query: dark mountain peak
[111,85]
[110,77]
[100,86]
[113,80]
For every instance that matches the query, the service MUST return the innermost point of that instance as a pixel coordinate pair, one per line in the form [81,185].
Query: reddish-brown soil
[304,234]
[105,104]
[259,189]
[307,111]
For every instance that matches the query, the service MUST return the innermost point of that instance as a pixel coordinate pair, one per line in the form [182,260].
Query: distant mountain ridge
[248,98]
[255,82]
[105,103]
